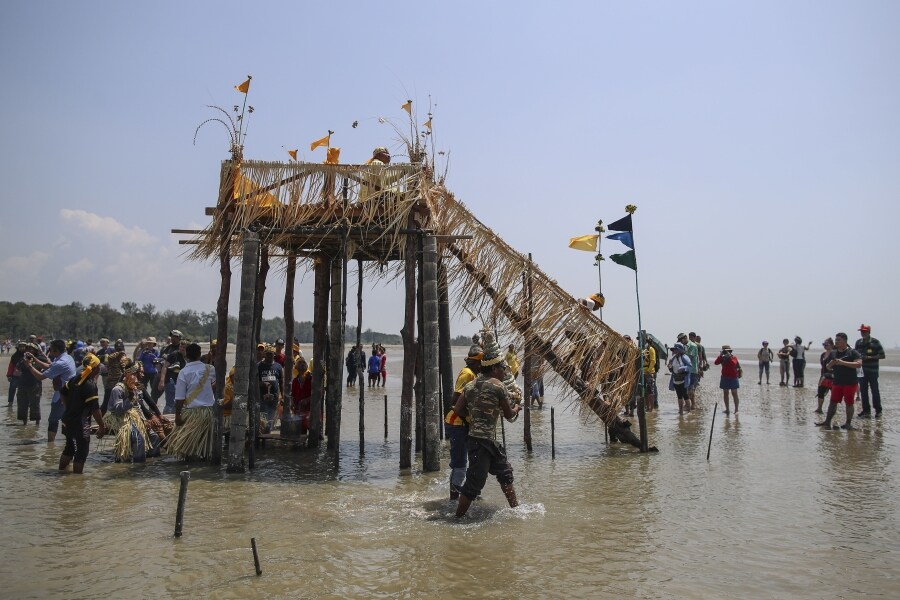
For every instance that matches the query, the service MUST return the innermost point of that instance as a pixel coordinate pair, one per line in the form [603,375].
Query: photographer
[150,360]
[731,376]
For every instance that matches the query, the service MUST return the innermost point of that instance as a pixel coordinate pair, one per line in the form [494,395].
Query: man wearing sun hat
[871,351]
[485,399]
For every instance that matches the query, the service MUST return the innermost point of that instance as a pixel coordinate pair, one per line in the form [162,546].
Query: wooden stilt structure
[383,213]
[360,368]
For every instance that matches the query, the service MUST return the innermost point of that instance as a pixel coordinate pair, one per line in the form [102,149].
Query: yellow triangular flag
[293,154]
[334,156]
[427,124]
[244,87]
[587,243]
[407,107]
[325,141]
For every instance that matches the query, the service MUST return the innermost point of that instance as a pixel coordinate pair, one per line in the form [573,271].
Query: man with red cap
[871,351]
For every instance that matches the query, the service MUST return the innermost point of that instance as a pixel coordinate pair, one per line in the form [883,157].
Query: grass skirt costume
[134,439]
[194,439]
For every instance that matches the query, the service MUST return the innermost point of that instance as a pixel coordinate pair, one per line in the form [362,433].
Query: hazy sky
[760,142]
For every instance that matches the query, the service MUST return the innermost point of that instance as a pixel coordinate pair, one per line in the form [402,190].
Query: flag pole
[242,135]
[642,412]
[599,229]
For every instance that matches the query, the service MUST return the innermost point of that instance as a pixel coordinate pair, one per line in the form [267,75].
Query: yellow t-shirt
[513,361]
[650,361]
[464,377]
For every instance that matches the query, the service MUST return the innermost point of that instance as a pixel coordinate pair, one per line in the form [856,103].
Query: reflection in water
[781,509]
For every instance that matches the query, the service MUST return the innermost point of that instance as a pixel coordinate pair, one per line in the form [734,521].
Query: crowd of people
[133,385]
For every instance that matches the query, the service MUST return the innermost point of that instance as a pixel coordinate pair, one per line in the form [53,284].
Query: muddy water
[782,509]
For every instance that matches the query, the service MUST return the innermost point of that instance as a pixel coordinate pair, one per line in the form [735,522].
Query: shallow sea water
[781,510]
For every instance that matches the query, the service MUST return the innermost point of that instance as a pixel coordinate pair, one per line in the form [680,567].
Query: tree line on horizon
[76,321]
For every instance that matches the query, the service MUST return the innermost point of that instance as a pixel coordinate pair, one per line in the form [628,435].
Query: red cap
[866,328]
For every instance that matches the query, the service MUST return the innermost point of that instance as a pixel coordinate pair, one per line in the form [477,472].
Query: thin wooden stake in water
[255,557]
[552,433]
[709,448]
[385,417]
[182,496]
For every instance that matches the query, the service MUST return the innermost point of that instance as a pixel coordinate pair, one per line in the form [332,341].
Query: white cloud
[76,270]
[20,272]
[108,228]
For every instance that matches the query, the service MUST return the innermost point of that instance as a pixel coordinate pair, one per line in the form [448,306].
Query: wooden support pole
[409,349]
[711,428]
[360,368]
[335,372]
[431,461]
[226,188]
[445,349]
[529,361]
[182,497]
[245,351]
[385,417]
[255,393]
[320,341]
[255,557]
[290,278]
[420,350]
[552,432]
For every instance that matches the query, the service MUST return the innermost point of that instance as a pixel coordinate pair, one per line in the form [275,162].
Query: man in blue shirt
[60,370]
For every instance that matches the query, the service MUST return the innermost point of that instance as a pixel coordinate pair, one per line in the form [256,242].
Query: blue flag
[626,237]
[623,224]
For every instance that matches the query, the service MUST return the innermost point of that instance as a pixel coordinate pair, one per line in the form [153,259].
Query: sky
[759,141]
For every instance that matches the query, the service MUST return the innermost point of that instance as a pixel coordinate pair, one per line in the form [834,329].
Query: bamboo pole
[320,336]
[552,432]
[244,352]
[409,350]
[431,461]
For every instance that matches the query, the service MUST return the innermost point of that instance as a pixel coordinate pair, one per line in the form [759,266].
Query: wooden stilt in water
[409,349]
[430,392]
[529,361]
[418,388]
[255,557]
[289,333]
[552,432]
[320,339]
[182,498]
[385,418]
[335,372]
[245,351]
[445,350]
[711,427]
[360,368]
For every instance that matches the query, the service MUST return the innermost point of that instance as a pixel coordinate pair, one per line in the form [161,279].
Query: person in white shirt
[194,401]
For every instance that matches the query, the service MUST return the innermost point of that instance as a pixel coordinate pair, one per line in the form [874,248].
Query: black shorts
[78,441]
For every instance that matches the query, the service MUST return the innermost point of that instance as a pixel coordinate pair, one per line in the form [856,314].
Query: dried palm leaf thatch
[194,439]
[305,206]
[113,423]
[131,419]
[586,354]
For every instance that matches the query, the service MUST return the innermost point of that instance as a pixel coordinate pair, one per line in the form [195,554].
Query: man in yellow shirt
[649,375]
[457,426]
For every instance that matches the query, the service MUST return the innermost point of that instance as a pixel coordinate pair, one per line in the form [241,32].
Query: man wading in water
[484,399]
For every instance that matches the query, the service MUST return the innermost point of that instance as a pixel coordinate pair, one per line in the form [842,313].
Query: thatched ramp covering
[361,211]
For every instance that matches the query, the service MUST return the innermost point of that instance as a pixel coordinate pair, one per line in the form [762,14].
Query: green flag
[626,260]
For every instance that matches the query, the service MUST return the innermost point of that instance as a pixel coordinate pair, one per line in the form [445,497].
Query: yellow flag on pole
[588,243]
[293,153]
[244,87]
[427,124]
[325,141]
[407,107]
